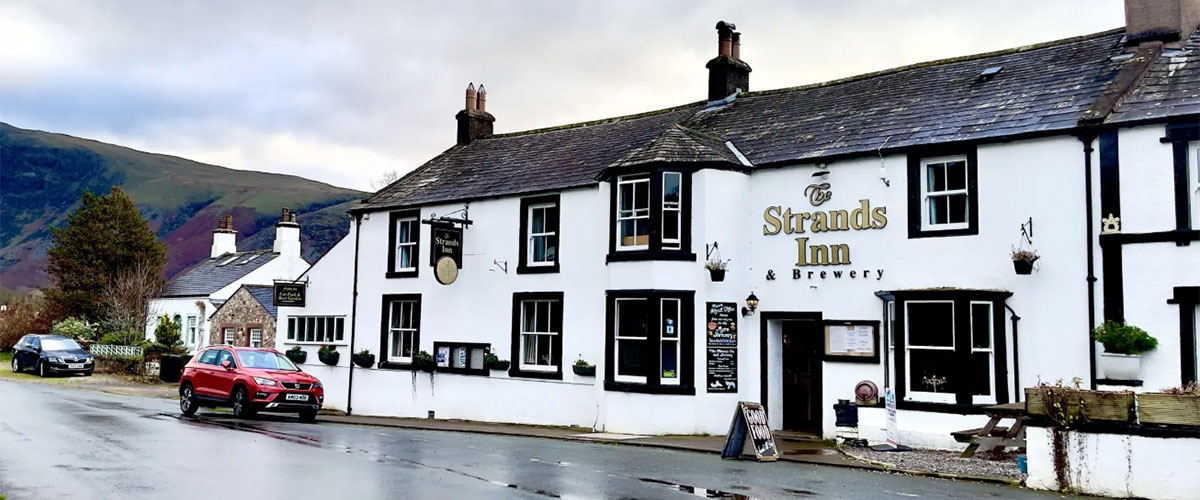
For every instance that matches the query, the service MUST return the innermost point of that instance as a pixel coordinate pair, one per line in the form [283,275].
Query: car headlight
[53,360]
[266,382]
[317,385]
[90,360]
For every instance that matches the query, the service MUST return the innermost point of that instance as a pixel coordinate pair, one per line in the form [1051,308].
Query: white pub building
[867,228]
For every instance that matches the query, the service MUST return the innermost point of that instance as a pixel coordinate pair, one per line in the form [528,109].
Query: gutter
[1016,352]
[1091,258]
[353,313]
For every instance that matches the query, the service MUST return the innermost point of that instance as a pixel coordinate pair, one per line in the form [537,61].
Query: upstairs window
[404,236]
[539,244]
[651,217]
[943,196]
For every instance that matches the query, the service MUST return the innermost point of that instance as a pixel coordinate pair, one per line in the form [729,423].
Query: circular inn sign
[446,271]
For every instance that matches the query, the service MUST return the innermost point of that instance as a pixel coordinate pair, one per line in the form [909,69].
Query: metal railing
[116,351]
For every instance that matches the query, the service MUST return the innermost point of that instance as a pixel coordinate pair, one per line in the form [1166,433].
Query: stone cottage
[247,319]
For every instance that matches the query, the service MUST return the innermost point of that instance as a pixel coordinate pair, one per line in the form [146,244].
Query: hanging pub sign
[721,359]
[750,423]
[289,294]
[446,241]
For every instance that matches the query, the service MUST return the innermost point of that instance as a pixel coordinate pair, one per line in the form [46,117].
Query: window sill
[524,269]
[315,344]
[402,274]
[953,408]
[915,233]
[640,255]
[482,372]
[391,365]
[649,389]
[548,375]
[1110,381]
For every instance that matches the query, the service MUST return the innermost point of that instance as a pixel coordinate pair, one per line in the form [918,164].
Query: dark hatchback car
[51,354]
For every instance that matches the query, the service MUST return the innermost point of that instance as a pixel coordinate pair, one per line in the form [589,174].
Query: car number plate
[297,397]
[76,366]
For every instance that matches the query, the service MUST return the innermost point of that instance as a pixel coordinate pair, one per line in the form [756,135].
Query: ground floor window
[317,329]
[255,337]
[400,332]
[537,335]
[228,336]
[191,330]
[949,346]
[650,341]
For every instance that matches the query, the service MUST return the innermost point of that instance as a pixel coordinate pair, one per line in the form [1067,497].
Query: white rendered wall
[1116,465]
[184,307]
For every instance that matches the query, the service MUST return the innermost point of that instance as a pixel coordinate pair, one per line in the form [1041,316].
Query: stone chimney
[287,235]
[224,238]
[1167,21]
[474,122]
[727,73]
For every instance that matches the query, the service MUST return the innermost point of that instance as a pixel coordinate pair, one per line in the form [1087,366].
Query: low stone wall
[1144,464]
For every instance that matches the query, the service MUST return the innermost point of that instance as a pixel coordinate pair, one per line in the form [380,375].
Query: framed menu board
[852,341]
[721,347]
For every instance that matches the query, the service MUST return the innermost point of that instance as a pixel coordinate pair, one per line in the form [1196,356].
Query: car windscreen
[265,360]
[59,345]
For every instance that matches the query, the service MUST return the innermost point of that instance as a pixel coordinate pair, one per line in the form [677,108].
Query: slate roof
[265,295]
[1043,88]
[210,276]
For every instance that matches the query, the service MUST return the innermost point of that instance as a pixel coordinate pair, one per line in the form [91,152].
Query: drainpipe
[353,313]
[1091,271]
[1016,353]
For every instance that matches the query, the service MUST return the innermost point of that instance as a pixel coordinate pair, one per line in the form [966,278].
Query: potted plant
[1023,260]
[1123,346]
[716,269]
[424,361]
[296,354]
[328,354]
[491,362]
[583,369]
[363,358]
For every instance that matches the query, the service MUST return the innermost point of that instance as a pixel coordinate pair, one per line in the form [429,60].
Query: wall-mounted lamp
[751,305]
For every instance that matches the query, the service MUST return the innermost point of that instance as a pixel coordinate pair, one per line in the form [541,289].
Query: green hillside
[42,175]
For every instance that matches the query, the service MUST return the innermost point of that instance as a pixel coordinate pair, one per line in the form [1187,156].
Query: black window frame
[393,217]
[483,371]
[514,367]
[915,188]
[655,250]
[384,330]
[687,341]
[523,266]
[962,300]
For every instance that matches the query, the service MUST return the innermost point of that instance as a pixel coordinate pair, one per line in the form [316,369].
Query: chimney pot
[724,34]
[474,122]
[224,238]
[471,99]
[481,99]
[727,73]
[736,50]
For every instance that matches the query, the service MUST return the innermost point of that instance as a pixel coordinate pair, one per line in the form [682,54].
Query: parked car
[51,354]
[249,380]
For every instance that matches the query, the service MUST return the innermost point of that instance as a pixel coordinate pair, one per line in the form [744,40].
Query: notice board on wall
[721,337]
[856,341]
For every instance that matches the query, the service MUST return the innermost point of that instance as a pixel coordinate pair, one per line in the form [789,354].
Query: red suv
[250,380]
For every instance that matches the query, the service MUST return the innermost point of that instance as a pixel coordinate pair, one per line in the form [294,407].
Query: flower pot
[363,360]
[1023,266]
[584,371]
[330,359]
[296,356]
[717,274]
[498,365]
[425,366]
[1121,366]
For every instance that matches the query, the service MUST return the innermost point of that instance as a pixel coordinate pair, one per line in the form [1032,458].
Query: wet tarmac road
[71,443]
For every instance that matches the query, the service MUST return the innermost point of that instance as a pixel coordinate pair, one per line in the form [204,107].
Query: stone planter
[363,360]
[1023,266]
[296,356]
[1121,366]
[1095,405]
[1169,409]
[330,359]
[584,371]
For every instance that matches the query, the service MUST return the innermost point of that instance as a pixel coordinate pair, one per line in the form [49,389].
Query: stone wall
[242,313]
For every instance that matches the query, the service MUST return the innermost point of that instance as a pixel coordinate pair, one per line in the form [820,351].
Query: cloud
[341,92]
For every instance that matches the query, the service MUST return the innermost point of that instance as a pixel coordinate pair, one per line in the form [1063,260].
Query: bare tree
[127,299]
[384,180]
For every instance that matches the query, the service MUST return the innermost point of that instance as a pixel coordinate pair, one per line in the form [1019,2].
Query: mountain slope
[42,175]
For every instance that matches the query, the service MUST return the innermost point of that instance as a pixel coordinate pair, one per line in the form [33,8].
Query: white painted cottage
[869,220]
[192,297]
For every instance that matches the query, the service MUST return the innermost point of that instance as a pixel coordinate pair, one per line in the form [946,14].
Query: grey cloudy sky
[342,92]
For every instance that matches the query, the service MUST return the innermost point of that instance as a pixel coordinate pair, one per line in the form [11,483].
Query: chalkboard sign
[722,324]
[722,369]
[289,294]
[445,241]
[750,423]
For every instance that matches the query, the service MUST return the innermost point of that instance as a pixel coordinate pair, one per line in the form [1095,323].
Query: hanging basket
[363,360]
[296,356]
[717,275]
[585,371]
[330,359]
[1023,266]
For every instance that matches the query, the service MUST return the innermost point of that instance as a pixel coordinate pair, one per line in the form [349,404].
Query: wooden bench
[997,438]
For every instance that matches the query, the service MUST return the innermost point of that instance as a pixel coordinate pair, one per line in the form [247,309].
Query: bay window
[539,244]
[651,216]
[537,335]
[404,236]
[650,342]
[400,335]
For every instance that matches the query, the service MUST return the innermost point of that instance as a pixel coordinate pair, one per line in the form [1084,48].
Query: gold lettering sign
[778,219]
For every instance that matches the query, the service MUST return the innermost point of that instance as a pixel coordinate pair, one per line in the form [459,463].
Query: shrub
[74,328]
[1120,338]
[167,337]
[25,315]
[125,365]
[129,337]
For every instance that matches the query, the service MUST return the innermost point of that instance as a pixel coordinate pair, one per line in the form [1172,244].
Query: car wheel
[186,405]
[41,369]
[241,404]
[16,365]
[308,416]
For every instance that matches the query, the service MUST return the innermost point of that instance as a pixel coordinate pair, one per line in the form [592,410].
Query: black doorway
[803,345]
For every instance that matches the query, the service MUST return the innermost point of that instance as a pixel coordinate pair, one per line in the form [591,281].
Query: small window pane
[311,332]
[630,354]
[528,316]
[321,330]
[531,349]
[544,345]
[670,314]
[543,316]
[939,208]
[669,359]
[981,374]
[936,173]
[956,175]
[930,324]
[291,328]
[552,219]
[670,224]
[957,208]
[641,194]
[932,371]
[341,327]
[981,326]
[626,197]
[671,182]
[539,220]
[632,318]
